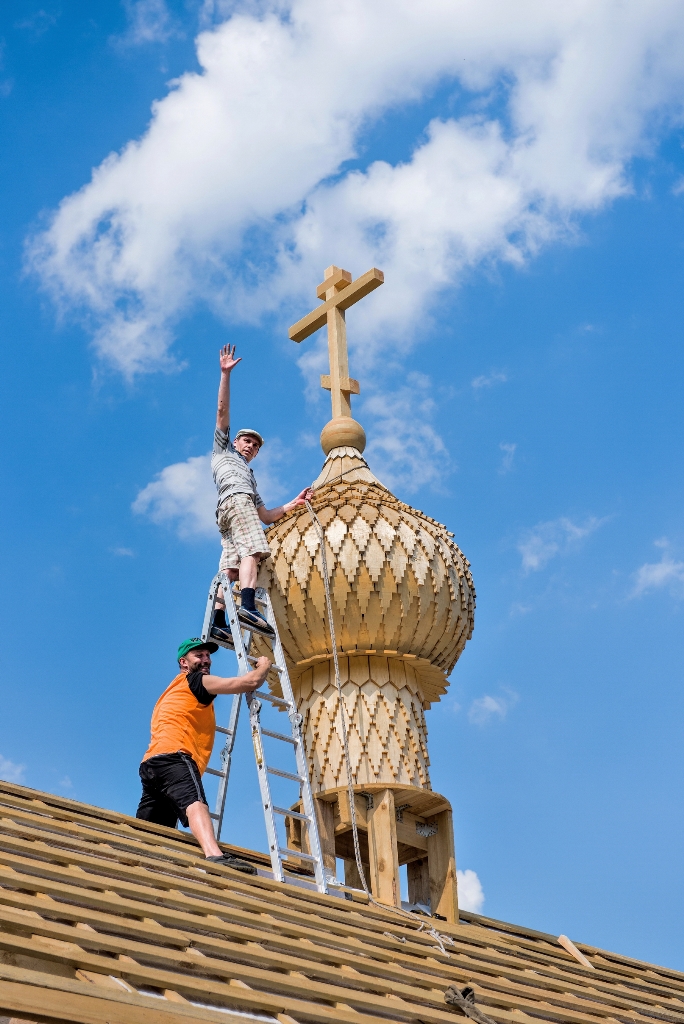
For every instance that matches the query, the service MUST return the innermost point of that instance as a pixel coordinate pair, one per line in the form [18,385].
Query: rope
[343,720]
[432,932]
[465,1000]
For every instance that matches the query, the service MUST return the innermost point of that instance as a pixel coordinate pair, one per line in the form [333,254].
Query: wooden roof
[108,920]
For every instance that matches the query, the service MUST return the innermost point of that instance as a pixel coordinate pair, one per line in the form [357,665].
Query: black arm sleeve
[197,687]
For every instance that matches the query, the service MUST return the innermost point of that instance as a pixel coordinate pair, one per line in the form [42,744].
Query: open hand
[227,358]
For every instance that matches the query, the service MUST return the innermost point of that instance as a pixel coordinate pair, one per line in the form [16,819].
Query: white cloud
[11,772]
[123,552]
[658,575]
[183,495]
[488,380]
[518,608]
[405,451]
[237,195]
[507,460]
[6,84]
[149,21]
[484,709]
[558,536]
[39,22]
[470,893]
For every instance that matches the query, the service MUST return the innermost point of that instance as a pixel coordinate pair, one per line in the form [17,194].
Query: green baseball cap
[192,645]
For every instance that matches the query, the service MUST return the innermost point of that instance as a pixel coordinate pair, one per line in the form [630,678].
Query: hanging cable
[343,721]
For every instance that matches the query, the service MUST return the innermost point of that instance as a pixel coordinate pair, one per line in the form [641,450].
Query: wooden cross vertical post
[338,293]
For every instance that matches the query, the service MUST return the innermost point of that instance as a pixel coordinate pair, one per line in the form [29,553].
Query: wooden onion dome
[403,600]
[403,606]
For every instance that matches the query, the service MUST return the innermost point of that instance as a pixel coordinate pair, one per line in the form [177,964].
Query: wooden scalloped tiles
[398,580]
[386,727]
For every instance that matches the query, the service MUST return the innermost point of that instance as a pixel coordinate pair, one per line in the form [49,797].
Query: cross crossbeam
[338,292]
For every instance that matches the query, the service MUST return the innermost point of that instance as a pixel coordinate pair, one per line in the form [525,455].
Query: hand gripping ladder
[242,638]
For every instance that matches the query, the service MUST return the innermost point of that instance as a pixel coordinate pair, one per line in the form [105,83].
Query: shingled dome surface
[400,584]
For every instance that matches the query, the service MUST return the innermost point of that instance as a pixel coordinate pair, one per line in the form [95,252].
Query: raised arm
[238,684]
[272,515]
[228,363]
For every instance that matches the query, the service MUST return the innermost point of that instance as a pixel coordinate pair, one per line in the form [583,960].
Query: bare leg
[202,828]
[249,567]
[232,575]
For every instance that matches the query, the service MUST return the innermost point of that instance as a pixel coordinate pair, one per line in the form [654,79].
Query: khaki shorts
[241,531]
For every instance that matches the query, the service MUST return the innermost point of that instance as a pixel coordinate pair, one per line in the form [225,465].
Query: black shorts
[171,782]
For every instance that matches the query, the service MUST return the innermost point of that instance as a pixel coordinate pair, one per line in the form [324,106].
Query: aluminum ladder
[242,640]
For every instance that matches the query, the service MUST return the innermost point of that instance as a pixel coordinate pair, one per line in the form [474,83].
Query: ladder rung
[285,775]
[280,736]
[212,771]
[212,815]
[291,814]
[297,853]
[278,701]
[226,732]
[273,668]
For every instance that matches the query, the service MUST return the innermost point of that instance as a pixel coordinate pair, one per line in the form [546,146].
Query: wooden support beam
[325,816]
[572,949]
[382,848]
[442,868]
[352,878]
[418,882]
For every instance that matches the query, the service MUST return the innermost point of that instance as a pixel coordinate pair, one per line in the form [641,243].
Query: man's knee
[196,814]
[195,806]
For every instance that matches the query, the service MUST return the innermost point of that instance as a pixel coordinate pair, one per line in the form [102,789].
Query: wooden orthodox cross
[338,292]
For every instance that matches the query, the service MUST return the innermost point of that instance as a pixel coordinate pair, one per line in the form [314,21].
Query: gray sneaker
[227,861]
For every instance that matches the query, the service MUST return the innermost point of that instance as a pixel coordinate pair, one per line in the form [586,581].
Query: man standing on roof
[183,730]
[241,510]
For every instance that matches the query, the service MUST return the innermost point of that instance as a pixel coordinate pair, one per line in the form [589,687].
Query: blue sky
[520,180]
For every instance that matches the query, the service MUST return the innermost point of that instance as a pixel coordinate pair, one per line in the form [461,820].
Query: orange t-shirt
[180,723]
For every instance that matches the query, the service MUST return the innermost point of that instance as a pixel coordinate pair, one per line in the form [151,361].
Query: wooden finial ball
[341,432]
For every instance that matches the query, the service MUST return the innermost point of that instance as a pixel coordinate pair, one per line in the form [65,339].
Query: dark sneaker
[226,861]
[222,636]
[255,622]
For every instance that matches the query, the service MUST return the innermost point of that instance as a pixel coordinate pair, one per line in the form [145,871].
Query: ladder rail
[254,705]
[306,795]
[242,639]
[226,759]
[209,610]
[231,732]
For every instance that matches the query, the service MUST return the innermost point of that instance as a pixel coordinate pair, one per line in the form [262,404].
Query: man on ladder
[183,730]
[240,510]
